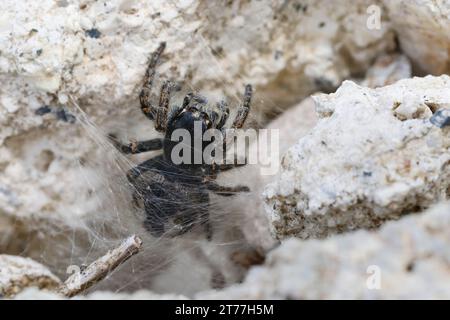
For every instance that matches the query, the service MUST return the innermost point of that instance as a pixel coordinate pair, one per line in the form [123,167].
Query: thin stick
[100,268]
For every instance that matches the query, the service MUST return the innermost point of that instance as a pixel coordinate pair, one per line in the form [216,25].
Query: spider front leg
[135,147]
[244,109]
[237,124]
[147,107]
[164,100]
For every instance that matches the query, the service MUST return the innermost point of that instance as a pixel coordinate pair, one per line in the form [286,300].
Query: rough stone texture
[386,70]
[422,28]
[411,256]
[373,156]
[97,53]
[57,167]
[17,273]
[35,293]
[292,125]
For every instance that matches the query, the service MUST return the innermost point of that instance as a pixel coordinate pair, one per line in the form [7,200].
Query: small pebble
[43,110]
[441,118]
[367,173]
[93,33]
[63,115]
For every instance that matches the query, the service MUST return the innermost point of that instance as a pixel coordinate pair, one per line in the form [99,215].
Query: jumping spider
[179,192]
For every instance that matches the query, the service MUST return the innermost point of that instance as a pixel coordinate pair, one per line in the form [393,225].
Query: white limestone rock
[292,125]
[97,54]
[406,259]
[422,28]
[252,220]
[34,293]
[387,69]
[18,273]
[55,172]
[373,156]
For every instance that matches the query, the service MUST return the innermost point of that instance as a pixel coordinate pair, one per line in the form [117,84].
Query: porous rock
[373,156]
[422,30]
[406,259]
[96,53]
[18,273]
[57,167]
[292,125]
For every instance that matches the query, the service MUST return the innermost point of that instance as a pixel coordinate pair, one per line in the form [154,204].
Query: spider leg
[135,147]
[224,114]
[145,96]
[244,109]
[238,121]
[164,99]
[219,117]
[226,191]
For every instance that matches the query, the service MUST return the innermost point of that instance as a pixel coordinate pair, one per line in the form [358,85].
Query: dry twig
[99,269]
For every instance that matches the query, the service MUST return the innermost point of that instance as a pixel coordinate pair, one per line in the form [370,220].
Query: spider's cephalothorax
[176,195]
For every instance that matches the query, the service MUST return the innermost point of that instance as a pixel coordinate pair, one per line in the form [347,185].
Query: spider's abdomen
[173,200]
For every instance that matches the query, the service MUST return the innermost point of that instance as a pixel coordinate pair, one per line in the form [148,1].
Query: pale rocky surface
[373,156]
[97,53]
[292,125]
[58,170]
[35,293]
[422,28]
[18,273]
[411,256]
[387,69]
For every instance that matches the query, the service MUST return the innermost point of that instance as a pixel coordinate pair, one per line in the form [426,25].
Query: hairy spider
[179,192]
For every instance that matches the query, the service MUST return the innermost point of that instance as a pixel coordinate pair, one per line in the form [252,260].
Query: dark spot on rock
[218,51]
[65,116]
[38,52]
[410,266]
[299,6]
[93,33]
[43,110]
[278,54]
[324,85]
[322,24]
[367,173]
